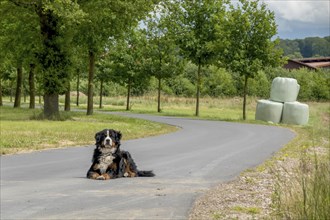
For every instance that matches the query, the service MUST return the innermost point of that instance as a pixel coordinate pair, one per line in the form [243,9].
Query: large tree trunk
[78,84]
[128,93]
[101,93]
[51,108]
[198,88]
[90,83]
[159,91]
[52,58]
[19,81]
[244,96]
[32,86]
[67,98]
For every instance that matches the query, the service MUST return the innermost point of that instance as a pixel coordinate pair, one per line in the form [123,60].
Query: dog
[109,162]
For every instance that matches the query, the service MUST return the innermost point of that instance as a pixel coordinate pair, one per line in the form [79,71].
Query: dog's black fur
[109,161]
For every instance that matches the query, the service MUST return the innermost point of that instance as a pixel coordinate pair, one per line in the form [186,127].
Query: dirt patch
[246,197]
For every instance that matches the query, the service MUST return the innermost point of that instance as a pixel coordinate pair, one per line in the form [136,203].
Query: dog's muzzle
[107,141]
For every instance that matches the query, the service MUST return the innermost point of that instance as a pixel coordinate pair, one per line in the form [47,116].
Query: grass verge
[293,184]
[229,109]
[302,171]
[20,134]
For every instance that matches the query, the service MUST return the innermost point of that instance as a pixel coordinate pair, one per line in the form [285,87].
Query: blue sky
[297,19]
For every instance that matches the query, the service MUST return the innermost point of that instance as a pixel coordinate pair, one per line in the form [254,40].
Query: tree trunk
[128,93]
[159,90]
[53,58]
[244,97]
[90,83]
[19,81]
[78,83]
[51,108]
[32,86]
[24,94]
[101,93]
[198,88]
[1,104]
[67,99]
[12,90]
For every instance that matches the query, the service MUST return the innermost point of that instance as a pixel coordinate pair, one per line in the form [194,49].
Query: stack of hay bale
[282,105]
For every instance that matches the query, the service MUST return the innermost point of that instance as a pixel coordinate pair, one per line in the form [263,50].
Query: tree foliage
[106,20]
[249,30]
[219,48]
[161,53]
[127,62]
[193,23]
[307,47]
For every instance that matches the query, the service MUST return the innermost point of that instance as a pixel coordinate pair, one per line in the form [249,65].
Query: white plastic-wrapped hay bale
[284,89]
[295,113]
[269,111]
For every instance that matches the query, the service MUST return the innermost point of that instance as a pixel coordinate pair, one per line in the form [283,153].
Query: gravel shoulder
[249,196]
[246,197]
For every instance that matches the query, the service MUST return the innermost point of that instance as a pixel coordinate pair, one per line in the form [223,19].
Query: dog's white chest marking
[105,161]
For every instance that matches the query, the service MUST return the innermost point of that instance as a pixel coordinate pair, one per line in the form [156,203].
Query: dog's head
[108,139]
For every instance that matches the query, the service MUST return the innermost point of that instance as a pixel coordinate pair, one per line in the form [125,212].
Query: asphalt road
[51,184]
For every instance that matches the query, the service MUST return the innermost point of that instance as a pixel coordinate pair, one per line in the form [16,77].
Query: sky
[297,19]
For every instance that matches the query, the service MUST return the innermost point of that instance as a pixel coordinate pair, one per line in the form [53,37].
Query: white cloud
[301,18]
[313,11]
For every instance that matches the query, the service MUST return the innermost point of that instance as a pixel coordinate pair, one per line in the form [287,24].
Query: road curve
[51,184]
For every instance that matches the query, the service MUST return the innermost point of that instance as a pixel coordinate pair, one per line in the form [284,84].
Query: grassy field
[229,109]
[20,134]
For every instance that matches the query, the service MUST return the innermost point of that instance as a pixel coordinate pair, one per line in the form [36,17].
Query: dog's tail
[146,173]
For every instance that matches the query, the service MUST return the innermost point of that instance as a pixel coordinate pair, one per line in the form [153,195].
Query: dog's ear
[118,136]
[98,138]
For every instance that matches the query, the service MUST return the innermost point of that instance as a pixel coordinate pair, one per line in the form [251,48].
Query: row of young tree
[217,83]
[307,47]
[129,41]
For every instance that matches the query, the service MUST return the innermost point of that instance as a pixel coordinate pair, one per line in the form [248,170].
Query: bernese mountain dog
[109,161]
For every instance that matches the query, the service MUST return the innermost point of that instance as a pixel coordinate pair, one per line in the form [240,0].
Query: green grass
[306,194]
[303,190]
[247,210]
[19,133]
[229,109]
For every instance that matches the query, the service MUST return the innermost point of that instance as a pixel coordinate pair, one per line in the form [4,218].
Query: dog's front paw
[100,178]
[126,174]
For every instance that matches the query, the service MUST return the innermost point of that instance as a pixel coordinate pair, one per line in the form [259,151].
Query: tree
[193,23]
[162,54]
[103,73]
[250,28]
[18,41]
[19,84]
[32,86]
[52,23]
[127,62]
[107,20]
[78,68]
[67,100]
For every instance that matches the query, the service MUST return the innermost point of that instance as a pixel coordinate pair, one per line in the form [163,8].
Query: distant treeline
[308,47]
